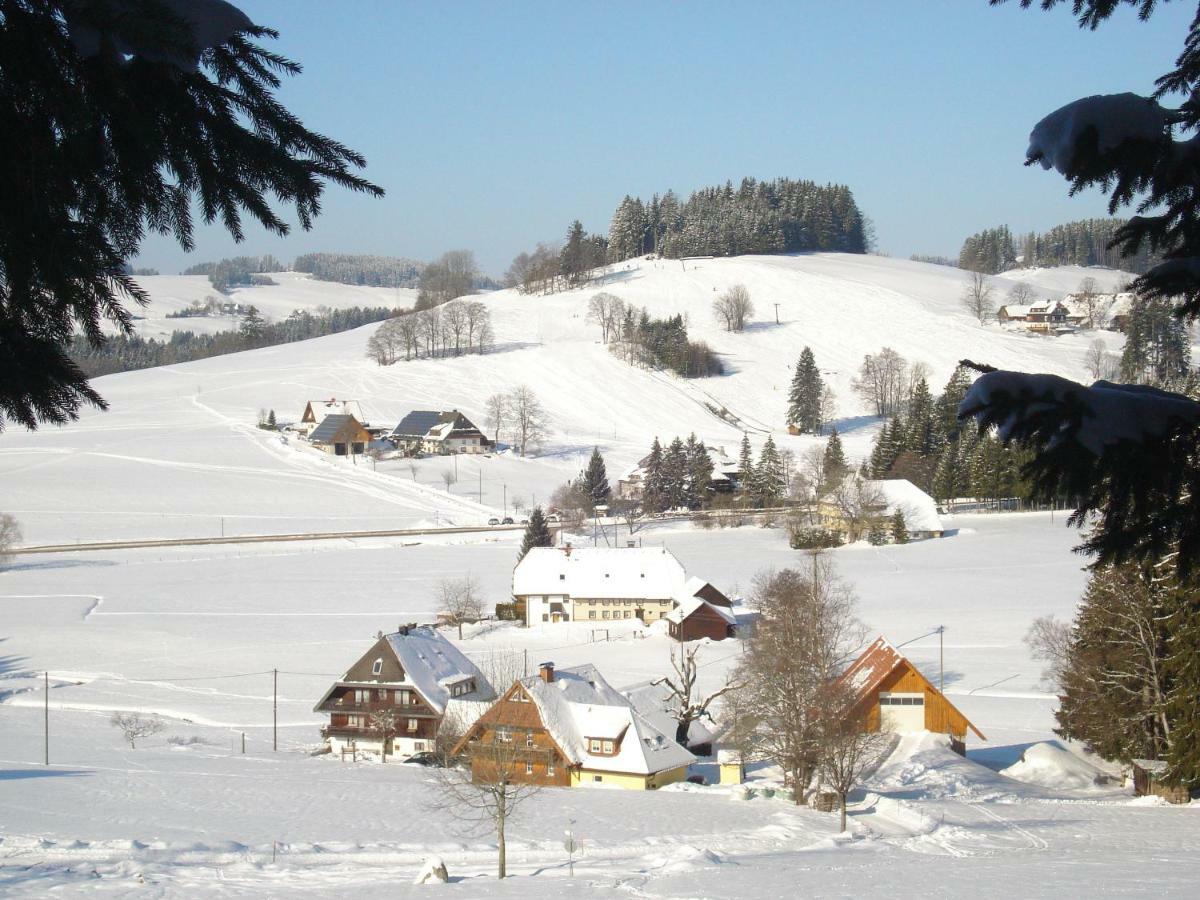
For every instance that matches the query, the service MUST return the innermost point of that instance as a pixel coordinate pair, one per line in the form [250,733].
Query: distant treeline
[780,216]
[123,354]
[1082,243]
[235,272]
[349,268]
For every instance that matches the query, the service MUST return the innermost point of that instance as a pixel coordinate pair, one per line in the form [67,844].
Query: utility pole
[46,716]
[275,710]
[941,659]
[776,313]
[505,487]
[481,484]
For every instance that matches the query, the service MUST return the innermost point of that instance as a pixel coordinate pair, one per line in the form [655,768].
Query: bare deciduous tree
[454,322]
[459,602]
[528,419]
[607,311]
[486,796]
[1049,640]
[806,630]
[734,308]
[448,478]
[496,411]
[135,726]
[1100,363]
[10,536]
[1021,294]
[859,503]
[848,752]
[686,705]
[828,409]
[883,381]
[977,298]
[1094,305]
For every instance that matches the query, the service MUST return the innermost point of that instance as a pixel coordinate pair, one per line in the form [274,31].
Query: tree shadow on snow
[25,774]
[853,423]
[57,564]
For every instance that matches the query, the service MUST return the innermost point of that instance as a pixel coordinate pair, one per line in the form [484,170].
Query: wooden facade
[702,622]
[881,676]
[512,736]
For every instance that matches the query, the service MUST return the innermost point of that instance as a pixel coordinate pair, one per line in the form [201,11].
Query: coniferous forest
[780,216]
[1082,243]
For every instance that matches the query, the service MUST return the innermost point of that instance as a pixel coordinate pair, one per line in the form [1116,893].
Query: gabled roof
[653,702]
[579,704]
[421,659]
[319,409]
[690,605]
[919,509]
[331,427]
[417,423]
[633,573]
[872,668]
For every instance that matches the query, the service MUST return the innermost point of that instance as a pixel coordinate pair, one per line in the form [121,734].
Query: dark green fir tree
[595,479]
[804,397]
[537,533]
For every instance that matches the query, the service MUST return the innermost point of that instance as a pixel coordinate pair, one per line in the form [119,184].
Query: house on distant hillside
[891,694]
[316,410]
[441,433]
[724,480]
[570,728]
[416,674]
[887,497]
[695,618]
[597,584]
[340,435]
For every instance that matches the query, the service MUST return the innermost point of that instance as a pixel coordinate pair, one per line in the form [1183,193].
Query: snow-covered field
[178,455]
[193,634]
[291,291]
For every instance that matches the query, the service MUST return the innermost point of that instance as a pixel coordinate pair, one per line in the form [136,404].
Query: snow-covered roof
[689,605]
[579,704]
[322,408]
[600,572]
[432,665]
[653,701]
[919,509]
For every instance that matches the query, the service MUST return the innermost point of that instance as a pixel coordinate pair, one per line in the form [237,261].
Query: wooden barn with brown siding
[891,694]
[695,619]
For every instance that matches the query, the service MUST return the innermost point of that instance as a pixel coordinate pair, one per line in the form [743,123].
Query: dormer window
[377,666]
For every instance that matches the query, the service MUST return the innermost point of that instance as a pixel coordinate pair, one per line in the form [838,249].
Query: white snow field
[178,455]
[291,291]
[194,634]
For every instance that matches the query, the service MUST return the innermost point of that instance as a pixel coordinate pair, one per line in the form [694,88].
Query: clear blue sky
[493,125]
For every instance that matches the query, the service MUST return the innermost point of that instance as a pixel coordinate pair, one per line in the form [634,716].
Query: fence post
[275,710]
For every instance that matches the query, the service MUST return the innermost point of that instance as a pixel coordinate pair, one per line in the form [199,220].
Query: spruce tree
[271,418]
[700,471]
[835,467]
[769,481]
[537,533]
[1183,671]
[945,410]
[899,528]
[117,122]
[675,474]
[804,397]
[253,325]
[654,491]
[745,466]
[919,427]
[876,534]
[595,479]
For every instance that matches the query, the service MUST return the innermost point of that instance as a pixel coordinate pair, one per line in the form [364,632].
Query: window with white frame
[412,724]
[528,768]
[504,735]
[377,666]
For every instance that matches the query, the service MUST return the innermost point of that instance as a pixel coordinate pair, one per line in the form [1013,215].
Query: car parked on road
[507,520]
[493,521]
[425,758]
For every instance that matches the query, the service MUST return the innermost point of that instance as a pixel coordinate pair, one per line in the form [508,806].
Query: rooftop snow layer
[600,572]
[431,663]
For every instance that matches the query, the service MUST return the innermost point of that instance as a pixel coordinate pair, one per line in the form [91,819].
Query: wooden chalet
[696,618]
[340,435]
[440,433]
[416,674]
[891,694]
[570,728]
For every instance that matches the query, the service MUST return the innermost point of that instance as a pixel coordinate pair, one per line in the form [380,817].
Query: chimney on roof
[546,672]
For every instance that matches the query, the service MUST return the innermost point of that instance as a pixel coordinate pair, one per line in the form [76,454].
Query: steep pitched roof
[432,664]
[600,572]
[579,704]
[316,410]
[690,605]
[872,668]
[919,509]
[330,427]
[417,423]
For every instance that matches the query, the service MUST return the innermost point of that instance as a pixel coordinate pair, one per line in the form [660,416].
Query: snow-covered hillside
[178,453]
[292,291]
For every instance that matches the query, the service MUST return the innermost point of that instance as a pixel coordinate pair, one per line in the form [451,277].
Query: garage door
[901,712]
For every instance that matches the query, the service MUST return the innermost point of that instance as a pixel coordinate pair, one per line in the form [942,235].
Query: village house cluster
[1069,314]
[339,428]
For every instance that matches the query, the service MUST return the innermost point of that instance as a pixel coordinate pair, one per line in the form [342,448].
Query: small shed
[1147,781]
[733,769]
[341,435]
[695,618]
